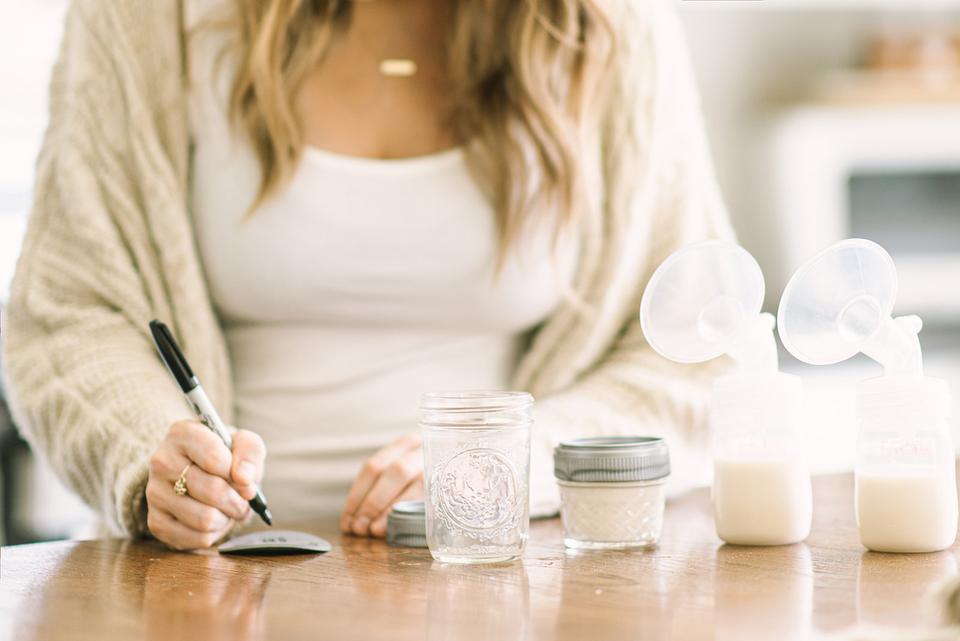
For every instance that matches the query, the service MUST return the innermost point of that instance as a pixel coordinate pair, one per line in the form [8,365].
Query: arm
[79,366]
[84,381]
[632,390]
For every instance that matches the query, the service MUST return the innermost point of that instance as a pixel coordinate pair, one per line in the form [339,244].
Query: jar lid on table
[612,459]
[407,525]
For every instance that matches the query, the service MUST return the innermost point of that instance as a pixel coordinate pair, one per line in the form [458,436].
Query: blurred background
[827,119]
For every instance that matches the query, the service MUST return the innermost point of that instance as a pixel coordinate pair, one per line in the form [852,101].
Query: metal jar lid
[612,459]
[407,525]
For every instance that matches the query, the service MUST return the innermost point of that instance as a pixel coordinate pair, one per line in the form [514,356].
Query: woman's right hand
[219,484]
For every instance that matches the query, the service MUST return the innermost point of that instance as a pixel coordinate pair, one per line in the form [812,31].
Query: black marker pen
[175,361]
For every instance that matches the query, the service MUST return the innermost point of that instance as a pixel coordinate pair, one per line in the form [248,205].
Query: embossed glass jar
[476,456]
[611,491]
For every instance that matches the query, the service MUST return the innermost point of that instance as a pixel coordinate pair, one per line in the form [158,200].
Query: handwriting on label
[273,539]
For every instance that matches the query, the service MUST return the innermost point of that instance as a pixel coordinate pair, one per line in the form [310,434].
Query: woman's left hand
[394,473]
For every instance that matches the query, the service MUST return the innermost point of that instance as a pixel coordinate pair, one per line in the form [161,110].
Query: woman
[337,206]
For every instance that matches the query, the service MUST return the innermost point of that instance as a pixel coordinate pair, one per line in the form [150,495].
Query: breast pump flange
[705,301]
[838,304]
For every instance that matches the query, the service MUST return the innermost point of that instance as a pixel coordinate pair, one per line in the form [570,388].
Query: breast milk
[761,502]
[906,512]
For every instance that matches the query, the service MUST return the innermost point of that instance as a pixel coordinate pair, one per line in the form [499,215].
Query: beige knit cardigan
[110,246]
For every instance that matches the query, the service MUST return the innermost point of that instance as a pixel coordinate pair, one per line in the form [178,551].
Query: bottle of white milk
[704,301]
[906,489]
[761,485]
[837,305]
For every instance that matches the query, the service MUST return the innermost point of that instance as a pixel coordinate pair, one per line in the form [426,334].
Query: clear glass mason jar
[611,491]
[476,449]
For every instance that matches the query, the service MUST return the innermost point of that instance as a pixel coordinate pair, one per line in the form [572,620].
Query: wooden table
[691,587]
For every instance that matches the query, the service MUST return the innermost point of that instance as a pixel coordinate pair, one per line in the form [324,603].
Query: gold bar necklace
[398,67]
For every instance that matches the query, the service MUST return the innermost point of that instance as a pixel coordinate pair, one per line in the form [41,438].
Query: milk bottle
[761,486]
[906,490]
[704,301]
[837,305]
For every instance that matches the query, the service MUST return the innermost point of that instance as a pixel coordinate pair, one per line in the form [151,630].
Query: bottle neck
[754,347]
[757,416]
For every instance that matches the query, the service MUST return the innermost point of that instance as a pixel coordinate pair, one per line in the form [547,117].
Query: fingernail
[245,471]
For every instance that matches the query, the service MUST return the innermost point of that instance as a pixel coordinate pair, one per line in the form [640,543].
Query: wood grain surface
[691,587]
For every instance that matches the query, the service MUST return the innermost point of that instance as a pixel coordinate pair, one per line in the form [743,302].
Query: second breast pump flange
[704,302]
[835,306]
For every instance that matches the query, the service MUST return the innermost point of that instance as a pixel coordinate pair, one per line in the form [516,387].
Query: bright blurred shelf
[819,5]
[813,150]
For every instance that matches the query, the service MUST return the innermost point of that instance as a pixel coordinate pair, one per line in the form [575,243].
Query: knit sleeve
[632,390]
[83,381]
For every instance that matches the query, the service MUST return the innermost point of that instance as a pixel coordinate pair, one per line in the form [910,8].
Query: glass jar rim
[475,401]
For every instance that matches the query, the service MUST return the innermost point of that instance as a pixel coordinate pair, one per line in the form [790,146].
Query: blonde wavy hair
[535,82]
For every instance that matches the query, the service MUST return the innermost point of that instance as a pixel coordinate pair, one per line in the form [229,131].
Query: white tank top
[361,285]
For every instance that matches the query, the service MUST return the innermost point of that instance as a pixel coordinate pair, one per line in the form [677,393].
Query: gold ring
[180,487]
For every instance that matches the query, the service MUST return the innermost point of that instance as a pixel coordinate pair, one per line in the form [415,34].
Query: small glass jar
[476,449]
[611,491]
